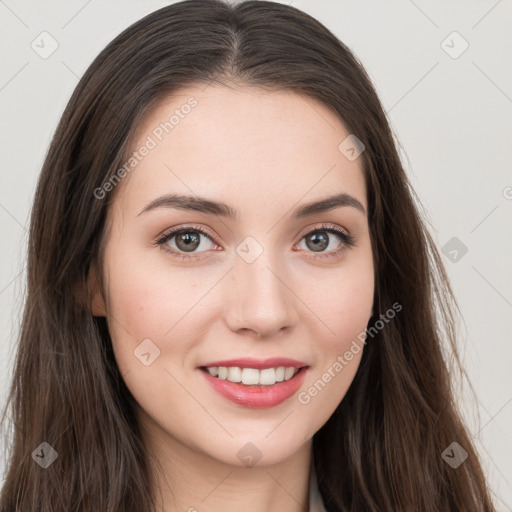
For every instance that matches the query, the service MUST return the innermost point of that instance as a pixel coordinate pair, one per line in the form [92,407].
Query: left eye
[188,239]
[319,240]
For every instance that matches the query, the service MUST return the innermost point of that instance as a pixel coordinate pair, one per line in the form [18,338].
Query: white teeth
[288,373]
[252,376]
[235,374]
[268,376]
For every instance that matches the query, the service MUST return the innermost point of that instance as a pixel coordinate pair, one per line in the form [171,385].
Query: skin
[264,154]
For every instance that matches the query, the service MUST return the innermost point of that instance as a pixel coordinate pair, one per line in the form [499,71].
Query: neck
[190,480]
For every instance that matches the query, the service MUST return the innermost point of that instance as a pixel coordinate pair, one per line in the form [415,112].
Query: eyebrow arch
[203,205]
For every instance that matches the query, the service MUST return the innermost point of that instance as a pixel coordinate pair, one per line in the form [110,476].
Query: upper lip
[258,364]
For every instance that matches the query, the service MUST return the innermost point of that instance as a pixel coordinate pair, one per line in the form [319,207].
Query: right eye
[188,239]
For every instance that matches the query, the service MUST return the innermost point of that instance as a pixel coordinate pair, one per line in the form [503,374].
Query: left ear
[96,301]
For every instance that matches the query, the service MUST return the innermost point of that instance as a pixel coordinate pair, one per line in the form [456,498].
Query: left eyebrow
[327,204]
[203,205]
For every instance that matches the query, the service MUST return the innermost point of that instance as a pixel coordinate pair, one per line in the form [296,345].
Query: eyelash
[347,240]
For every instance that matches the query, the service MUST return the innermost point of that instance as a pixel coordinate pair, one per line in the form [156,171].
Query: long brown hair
[382,448]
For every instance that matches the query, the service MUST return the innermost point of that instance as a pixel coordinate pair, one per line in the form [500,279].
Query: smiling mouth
[253,376]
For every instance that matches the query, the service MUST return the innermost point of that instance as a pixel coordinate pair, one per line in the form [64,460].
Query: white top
[316,503]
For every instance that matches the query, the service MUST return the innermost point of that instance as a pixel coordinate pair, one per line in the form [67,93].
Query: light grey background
[452,117]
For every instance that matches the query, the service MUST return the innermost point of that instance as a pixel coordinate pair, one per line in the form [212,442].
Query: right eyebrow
[194,203]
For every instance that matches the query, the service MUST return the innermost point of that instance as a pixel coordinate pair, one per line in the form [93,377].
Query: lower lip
[257,397]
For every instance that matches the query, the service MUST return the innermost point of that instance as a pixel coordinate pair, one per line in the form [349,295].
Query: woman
[233,302]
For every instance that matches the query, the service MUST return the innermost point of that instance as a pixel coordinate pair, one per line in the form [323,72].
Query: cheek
[344,302]
[142,305]
[338,354]
[344,305]
[150,300]
[146,297]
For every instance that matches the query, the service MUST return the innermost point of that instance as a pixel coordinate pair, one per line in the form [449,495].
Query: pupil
[319,240]
[188,240]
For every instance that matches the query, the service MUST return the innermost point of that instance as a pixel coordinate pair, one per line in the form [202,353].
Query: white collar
[316,503]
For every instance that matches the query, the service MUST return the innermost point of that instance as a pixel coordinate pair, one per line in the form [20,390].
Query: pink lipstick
[255,383]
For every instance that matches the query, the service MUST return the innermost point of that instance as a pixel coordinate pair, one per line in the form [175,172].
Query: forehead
[240,145]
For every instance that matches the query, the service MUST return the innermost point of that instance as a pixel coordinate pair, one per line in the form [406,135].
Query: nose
[260,297]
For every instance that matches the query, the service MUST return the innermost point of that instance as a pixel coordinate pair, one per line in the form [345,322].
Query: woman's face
[260,285]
